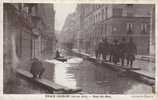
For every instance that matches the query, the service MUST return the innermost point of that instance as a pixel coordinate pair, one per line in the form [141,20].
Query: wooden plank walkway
[134,70]
[137,71]
[145,74]
[47,83]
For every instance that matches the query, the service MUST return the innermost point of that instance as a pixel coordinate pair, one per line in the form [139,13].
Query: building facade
[115,21]
[70,30]
[37,40]
[46,27]
[28,32]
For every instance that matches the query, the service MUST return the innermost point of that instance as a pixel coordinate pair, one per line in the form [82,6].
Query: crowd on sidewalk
[118,51]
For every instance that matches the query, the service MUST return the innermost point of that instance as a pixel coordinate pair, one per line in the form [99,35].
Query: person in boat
[60,57]
[57,54]
[37,68]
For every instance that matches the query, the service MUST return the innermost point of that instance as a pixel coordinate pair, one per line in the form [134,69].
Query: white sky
[61,12]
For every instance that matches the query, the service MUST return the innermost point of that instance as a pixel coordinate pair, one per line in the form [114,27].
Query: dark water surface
[95,78]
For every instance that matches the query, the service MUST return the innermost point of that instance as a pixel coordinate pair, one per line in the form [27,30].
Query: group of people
[117,50]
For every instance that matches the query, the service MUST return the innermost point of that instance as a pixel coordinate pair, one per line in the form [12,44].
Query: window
[95,6]
[143,28]
[130,10]
[117,12]
[95,18]
[102,12]
[99,15]
[19,6]
[106,12]
[99,6]
[129,5]
[105,29]
[129,28]
[90,20]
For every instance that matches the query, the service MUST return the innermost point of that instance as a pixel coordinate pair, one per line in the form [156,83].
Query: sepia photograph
[78,48]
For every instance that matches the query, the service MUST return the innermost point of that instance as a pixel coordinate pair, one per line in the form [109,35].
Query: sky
[61,12]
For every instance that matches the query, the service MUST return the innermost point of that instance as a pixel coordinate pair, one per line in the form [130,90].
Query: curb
[117,67]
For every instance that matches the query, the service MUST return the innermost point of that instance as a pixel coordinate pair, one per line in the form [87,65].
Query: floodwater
[94,78]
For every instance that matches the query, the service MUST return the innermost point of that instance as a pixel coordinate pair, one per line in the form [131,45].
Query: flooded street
[37,37]
[94,78]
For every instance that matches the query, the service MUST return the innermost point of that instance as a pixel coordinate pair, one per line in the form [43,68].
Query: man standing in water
[131,52]
[122,50]
[115,52]
[99,50]
[105,48]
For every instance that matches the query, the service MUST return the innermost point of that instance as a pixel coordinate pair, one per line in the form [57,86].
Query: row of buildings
[28,32]
[69,30]
[114,21]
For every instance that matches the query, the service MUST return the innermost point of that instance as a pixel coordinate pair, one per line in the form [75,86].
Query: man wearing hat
[131,52]
[115,52]
[122,50]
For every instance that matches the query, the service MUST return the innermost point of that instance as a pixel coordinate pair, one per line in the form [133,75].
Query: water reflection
[93,78]
[61,76]
[75,60]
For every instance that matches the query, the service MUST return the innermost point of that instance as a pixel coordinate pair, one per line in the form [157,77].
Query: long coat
[100,47]
[106,48]
[131,51]
[115,52]
[122,49]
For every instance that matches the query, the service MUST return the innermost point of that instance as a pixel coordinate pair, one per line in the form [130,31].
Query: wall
[10,59]
[114,26]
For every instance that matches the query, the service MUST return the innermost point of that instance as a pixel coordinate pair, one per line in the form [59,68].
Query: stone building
[36,37]
[28,31]
[43,16]
[46,14]
[115,21]
[70,30]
